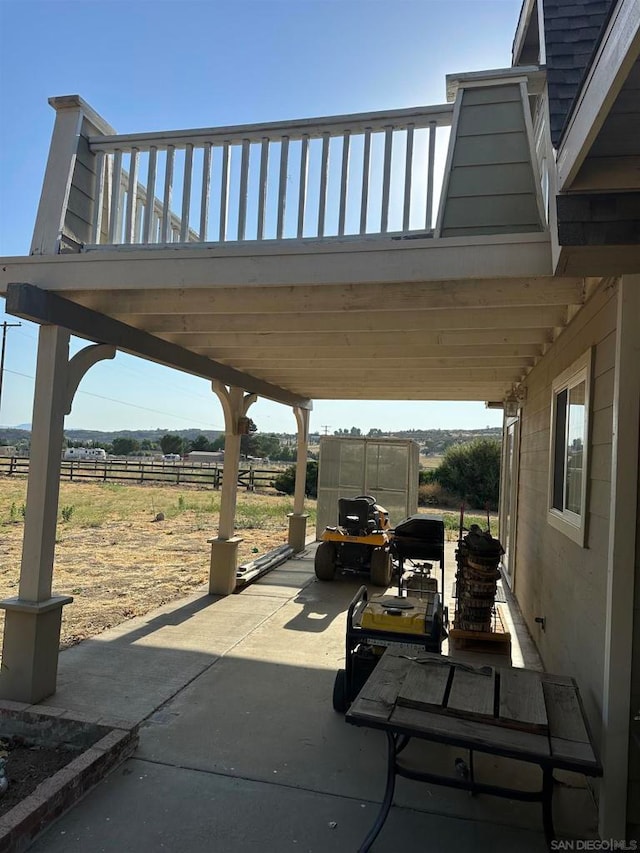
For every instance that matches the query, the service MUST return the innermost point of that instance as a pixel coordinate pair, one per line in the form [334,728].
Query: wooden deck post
[224,549]
[298,518]
[33,618]
[32,627]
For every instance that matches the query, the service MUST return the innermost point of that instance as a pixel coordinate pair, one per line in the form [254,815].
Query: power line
[125,403]
[5,326]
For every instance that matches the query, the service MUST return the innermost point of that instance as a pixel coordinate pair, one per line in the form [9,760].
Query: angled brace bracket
[79,365]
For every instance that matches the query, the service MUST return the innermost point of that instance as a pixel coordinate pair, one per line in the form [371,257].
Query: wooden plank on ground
[472,692]
[521,702]
[472,734]
[424,686]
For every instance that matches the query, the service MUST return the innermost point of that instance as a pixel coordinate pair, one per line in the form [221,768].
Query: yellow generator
[414,619]
[359,544]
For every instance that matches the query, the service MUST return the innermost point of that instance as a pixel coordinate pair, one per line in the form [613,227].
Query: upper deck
[407,247]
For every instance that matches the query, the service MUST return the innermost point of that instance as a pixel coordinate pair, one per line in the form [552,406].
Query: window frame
[572,524]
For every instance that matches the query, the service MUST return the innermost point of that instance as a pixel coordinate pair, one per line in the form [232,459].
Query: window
[569,443]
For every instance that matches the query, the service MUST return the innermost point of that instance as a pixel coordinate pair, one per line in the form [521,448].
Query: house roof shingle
[572,33]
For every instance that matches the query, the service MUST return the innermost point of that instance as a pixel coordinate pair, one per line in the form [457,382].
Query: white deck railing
[372,173]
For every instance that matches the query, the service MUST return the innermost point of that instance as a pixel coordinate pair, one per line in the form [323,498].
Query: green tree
[218,444]
[472,471]
[286,482]
[201,442]
[171,443]
[124,446]
[265,445]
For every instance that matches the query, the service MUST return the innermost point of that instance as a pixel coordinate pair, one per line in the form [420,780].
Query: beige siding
[555,578]
[491,187]
[633,801]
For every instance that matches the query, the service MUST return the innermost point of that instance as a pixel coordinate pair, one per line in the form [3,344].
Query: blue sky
[167,64]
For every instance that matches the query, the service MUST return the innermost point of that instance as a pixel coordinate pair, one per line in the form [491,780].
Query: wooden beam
[358,260]
[31,303]
[384,322]
[401,349]
[167,306]
[384,373]
[251,363]
[409,393]
[300,340]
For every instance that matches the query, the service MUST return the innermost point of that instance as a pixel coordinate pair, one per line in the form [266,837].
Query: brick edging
[54,796]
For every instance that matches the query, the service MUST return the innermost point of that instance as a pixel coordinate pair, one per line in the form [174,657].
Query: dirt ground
[26,766]
[117,560]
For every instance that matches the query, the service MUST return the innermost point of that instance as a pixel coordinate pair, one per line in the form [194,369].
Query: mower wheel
[325,561]
[381,567]
[340,699]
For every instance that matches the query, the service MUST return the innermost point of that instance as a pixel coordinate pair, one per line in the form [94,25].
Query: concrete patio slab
[145,808]
[240,745]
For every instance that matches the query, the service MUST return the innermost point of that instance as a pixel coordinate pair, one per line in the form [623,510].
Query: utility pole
[325,427]
[5,326]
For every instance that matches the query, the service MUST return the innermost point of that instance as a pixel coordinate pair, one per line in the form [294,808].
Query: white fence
[373,173]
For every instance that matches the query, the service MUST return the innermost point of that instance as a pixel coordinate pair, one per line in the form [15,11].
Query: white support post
[616,710]
[57,181]
[298,518]
[224,549]
[33,618]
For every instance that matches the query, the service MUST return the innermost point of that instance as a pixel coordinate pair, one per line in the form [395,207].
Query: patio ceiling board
[402,361]
[164,306]
[31,303]
[452,356]
[375,321]
[301,341]
[416,336]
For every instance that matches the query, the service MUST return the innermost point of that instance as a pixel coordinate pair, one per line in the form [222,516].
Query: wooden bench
[516,713]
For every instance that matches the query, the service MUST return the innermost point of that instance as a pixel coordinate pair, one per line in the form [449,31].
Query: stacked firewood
[478,558]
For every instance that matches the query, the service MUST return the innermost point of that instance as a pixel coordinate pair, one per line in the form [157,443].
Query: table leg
[547,805]
[472,778]
[388,794]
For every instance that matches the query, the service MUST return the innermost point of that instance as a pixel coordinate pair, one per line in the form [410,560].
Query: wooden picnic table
[516,713]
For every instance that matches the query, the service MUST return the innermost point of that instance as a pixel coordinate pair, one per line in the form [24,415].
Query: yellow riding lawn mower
[359,544]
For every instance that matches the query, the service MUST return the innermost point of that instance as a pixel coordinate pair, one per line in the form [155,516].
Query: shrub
[286,482]
[67,512]
[428,475]
[432,494]
[472,472]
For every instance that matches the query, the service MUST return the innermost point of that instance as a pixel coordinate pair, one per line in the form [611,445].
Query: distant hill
[432,441]
[13,435]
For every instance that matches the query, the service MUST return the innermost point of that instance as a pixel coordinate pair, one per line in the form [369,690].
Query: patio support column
[224,549]
[298,518]
[33,618]
[622,583]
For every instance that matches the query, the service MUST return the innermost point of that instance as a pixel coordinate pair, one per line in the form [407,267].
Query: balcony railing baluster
[391,185]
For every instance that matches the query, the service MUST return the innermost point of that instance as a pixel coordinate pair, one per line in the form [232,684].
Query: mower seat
[355,516]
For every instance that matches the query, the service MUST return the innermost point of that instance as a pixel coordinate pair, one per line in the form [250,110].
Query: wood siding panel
[507,179]
[509,211]
[479,119]
[79,215]
[479,150]
[554,577]
[491,187]
[492,95]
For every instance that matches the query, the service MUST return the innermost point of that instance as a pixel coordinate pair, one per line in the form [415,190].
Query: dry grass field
[117,560]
